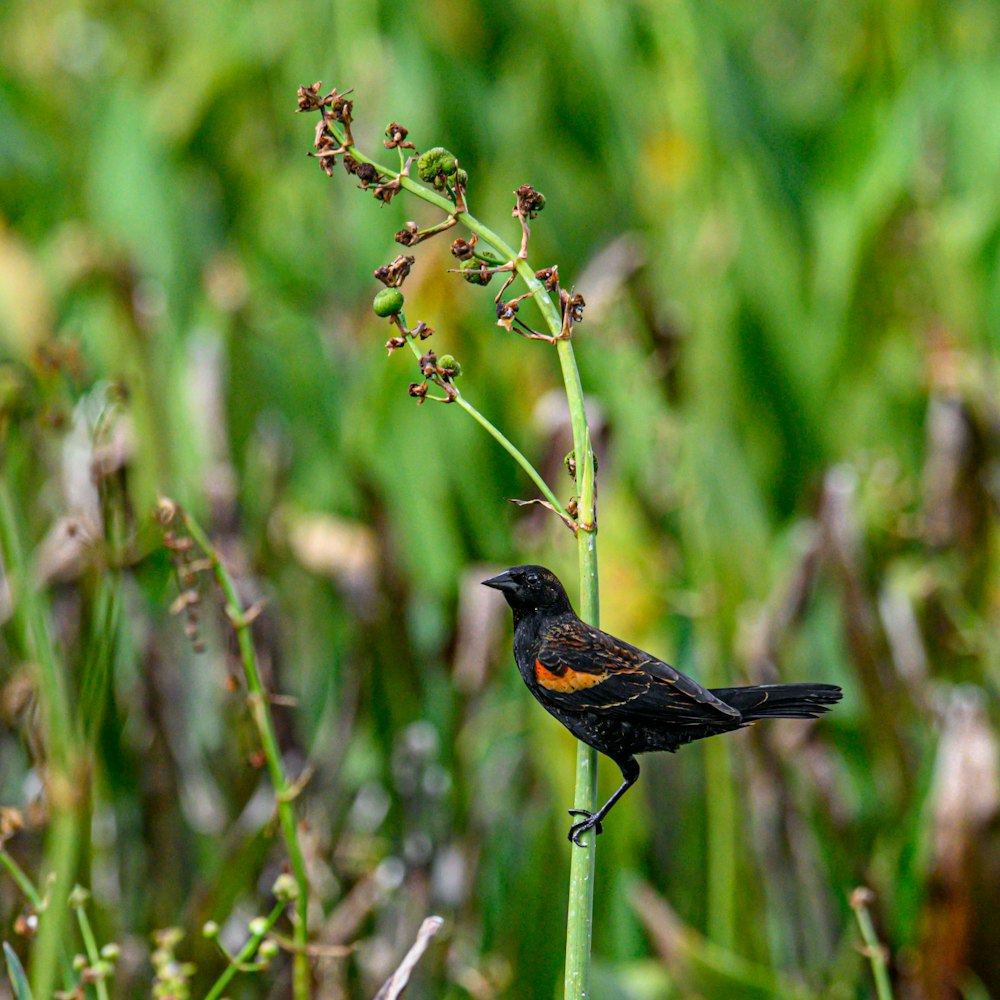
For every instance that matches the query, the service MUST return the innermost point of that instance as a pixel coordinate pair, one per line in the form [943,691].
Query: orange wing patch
[568,680]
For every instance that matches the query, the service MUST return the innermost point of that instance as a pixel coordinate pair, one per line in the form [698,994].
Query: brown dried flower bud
[367,174]
[309,99]
[386,192]
[341,108]
[574,306]
[408,236]
[350,164]
[418,390]
[462,249]
[506,313]
[428,364]
[529,202]
[396,137]
[395,343]
[395,272]
[422,330]
[549,277]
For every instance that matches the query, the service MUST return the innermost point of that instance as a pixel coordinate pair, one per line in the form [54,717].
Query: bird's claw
[592,822]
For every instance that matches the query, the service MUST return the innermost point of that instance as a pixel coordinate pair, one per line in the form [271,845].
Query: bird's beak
[502,582]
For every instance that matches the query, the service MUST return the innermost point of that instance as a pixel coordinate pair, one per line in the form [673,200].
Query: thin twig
[400,979]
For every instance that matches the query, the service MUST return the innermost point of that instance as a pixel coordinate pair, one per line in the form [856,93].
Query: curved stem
[501,438]
[514,453]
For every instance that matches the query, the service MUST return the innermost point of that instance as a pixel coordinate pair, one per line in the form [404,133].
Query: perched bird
[619,699]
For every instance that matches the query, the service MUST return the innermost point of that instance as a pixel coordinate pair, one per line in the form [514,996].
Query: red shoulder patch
[568,680]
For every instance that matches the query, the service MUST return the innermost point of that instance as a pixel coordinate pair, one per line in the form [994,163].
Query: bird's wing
[579,667]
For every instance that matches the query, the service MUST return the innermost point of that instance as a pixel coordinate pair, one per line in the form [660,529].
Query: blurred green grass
[791,336]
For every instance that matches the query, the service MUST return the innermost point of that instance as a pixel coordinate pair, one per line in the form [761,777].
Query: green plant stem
[34,897]
[502,440]
[284,792]
[581,888]
[245,954]
[64,769]
[24,883]
[513,452]
[873,949]
[93,954]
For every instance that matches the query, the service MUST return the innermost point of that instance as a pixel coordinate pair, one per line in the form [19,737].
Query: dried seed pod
[408,236]
[367,174]
[529,201]
[428,364]
[396,137]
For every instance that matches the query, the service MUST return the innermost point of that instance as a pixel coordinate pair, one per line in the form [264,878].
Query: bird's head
[531,588]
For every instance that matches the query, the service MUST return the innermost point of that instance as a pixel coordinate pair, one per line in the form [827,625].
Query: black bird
[619,699]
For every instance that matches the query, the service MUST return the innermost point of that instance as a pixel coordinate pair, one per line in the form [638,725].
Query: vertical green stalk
[580,912]
[284,792]
[581,889]
[65,774]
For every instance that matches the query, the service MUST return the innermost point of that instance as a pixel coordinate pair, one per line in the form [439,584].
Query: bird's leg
[630,772]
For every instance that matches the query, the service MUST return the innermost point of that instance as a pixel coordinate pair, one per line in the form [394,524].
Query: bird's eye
[533,579]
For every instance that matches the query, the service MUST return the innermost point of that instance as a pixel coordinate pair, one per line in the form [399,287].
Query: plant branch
[238,962]
[24,883]
[90,945]
[499,437]
[284,790]
[580,915]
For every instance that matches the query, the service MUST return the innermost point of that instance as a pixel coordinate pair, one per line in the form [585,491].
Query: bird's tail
[780,701]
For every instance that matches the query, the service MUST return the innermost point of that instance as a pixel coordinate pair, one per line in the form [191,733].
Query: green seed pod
[268,949]
[473,274]
[285,887]
[110,952]
[258,926]
[388,302]
[449,367]
[78,897]
[434,162]
[210,930]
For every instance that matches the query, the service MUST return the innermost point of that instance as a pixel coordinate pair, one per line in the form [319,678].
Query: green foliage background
[786,220]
